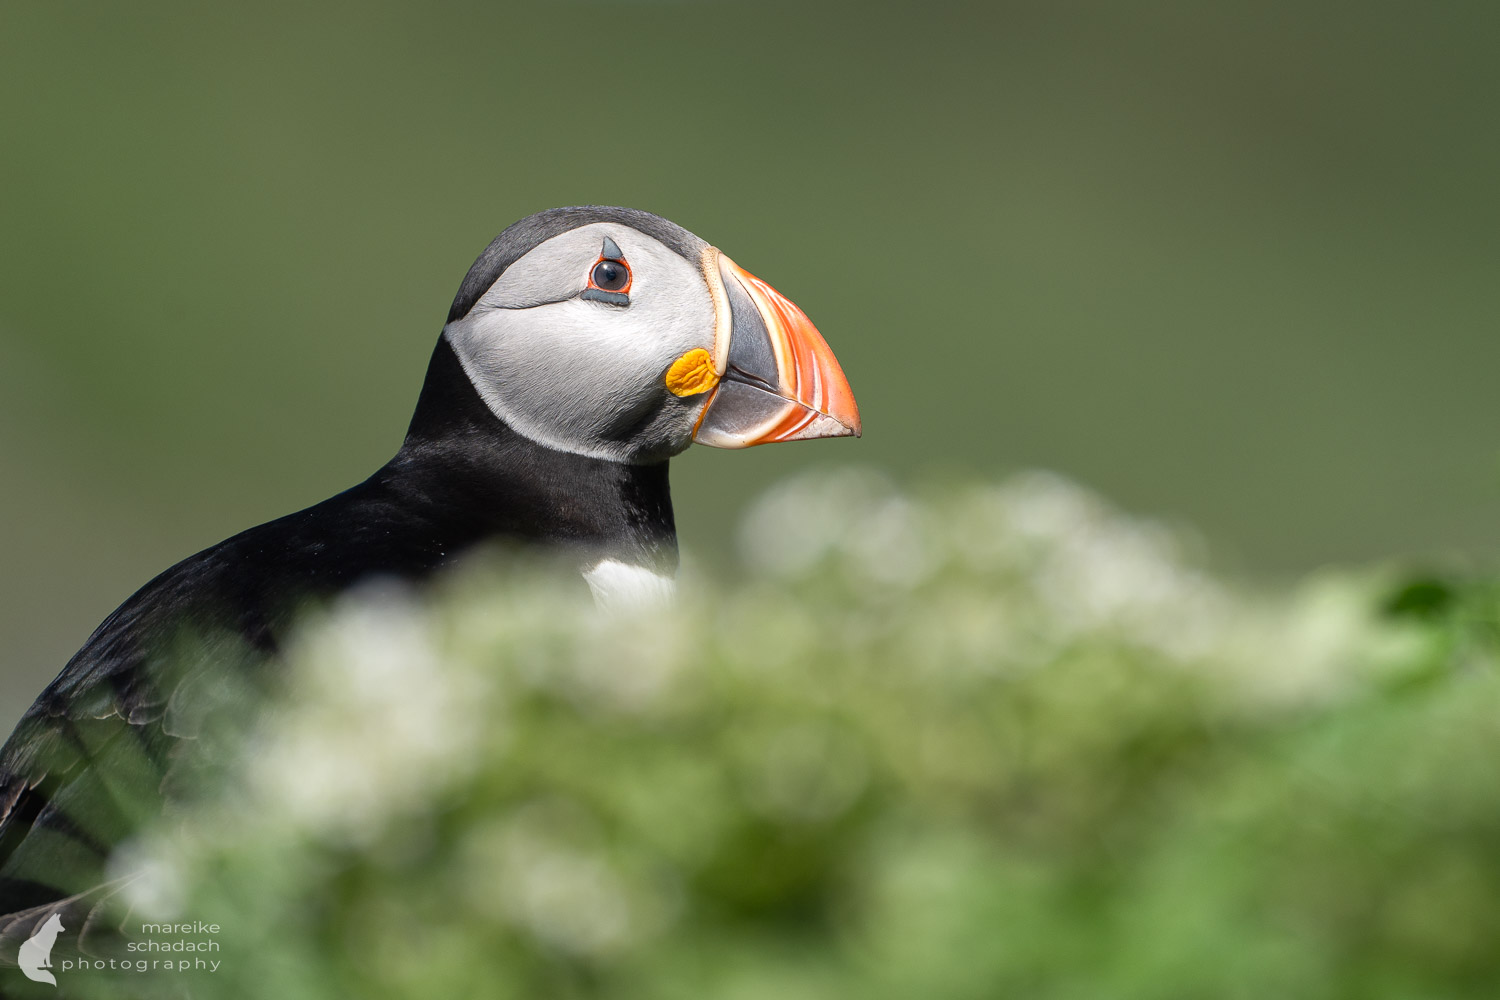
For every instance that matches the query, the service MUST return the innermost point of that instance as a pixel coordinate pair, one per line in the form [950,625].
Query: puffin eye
[610,275]
[609,279]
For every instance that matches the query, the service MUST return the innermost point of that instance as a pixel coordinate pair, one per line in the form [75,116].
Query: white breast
[622,585]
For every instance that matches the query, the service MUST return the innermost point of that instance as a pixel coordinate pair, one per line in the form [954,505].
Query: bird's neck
[477,477]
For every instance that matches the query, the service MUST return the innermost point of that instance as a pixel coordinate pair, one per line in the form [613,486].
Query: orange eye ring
[612,275]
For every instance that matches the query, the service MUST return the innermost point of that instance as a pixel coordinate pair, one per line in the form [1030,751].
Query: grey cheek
[629,422]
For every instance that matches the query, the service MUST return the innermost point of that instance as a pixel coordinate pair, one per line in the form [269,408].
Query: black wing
[101,748]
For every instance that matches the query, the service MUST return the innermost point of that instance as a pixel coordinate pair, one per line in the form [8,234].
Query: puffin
[585,348]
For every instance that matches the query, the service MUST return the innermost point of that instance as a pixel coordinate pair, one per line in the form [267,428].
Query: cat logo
[35,956]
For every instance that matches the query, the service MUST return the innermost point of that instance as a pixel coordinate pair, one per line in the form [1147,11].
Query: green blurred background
[1231,265]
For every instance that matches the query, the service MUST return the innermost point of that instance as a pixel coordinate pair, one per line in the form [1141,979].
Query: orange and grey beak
[777,379]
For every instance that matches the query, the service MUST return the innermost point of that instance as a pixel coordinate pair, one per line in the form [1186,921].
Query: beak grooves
[810,373]
[780,381]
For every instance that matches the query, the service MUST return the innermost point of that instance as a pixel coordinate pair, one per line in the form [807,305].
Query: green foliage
[1000,742]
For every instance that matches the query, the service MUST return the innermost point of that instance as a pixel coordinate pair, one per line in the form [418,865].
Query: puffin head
[615,334]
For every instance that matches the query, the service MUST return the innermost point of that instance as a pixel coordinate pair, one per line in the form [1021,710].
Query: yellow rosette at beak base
[692,374]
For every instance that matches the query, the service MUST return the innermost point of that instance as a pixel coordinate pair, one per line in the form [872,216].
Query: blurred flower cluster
[998,740]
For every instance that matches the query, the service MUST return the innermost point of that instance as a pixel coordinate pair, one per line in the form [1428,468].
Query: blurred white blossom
[379,721]
[591,784]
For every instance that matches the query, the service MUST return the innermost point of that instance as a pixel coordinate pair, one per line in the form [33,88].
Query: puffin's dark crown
[520,238]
